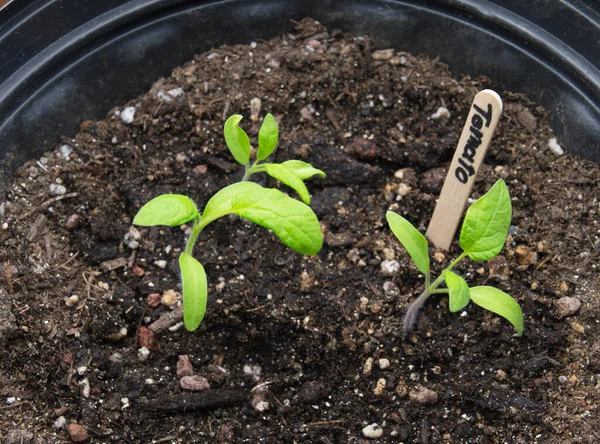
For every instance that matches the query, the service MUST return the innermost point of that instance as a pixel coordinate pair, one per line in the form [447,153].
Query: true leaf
[288,177]
[486,224]
[458,290]
[267,137]
[237,140]
[500,303]
[168,209]
[414,242]
[302,169]
[195,291]
[222,202]
[292,221]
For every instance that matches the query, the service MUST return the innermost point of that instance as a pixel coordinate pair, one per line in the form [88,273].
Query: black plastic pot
[65,61]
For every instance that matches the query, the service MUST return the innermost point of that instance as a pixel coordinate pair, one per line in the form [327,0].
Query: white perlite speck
[441,113]
[555,147]
[132,237]
[57,189]
[372,431]
[60,422]
[128,114]
[143,354]
[65,151]
[389,268]
[170,95]
[384,363]
[253,370]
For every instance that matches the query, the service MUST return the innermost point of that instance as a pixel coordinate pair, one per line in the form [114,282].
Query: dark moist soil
[297,349]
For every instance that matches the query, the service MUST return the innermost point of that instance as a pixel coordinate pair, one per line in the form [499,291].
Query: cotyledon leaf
[414,242]
[458,291]
[195,291]
[168,209]
[500,303]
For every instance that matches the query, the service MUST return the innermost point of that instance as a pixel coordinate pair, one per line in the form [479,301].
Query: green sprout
[291,220]
[482,236]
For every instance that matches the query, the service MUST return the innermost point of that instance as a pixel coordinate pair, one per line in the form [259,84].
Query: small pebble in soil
[383,363]
[305,113]
[525,256]
[184,366]
[147,338]
[439,257]
[170,298]
[72,222]
[18,436]
[501,374]
[194,383]
[153,300]
[57,189]
[562,379]
[143,354]
[77,432]
[390,268]
[72,300]
[128,114]
[161,263]
[259,401]
[567,306]
[555,147]
[423,395]
[116,357]
[255,106]
[382,54]
[125,403]
[390,289]
[402,190]
[60,422]
[372,431]
[253,370]
[309,392]
[380,387]
[368,366]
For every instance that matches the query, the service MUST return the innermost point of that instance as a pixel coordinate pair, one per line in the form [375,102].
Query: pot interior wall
[86,60]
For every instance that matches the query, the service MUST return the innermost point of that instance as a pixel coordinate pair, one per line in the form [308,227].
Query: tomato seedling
[482,237]
[291,220]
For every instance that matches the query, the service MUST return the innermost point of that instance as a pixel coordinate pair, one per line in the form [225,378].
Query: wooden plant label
[470,152]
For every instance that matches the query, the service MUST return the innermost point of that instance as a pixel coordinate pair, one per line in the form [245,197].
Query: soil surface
[294,348]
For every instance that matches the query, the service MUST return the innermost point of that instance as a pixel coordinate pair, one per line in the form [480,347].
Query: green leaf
[195,291]
[168,209]
[500,303]
[222,203]
[288,177]
[267,137]
[237,140]
[486,224]
[414,242]
[302,169]
[458,291]
[292,221]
